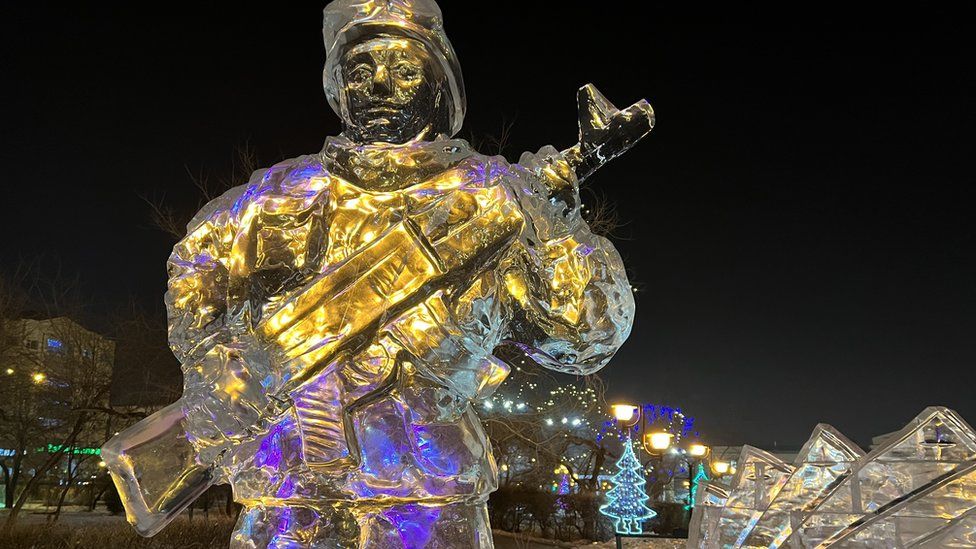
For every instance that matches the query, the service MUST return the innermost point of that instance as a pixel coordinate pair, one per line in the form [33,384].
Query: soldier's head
[390,72]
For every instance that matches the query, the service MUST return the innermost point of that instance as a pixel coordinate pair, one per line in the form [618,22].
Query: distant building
[881,440]
[53,368]
[43,339]
[730,454]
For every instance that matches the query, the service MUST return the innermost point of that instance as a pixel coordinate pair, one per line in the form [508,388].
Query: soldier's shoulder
[484,170]
[300,177]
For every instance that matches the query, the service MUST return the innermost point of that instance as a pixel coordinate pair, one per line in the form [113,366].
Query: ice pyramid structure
[825,460]
[709,502]
[960,532]
[918,489]
[758,479]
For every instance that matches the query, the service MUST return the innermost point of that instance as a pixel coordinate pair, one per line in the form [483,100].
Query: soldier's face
[390,90]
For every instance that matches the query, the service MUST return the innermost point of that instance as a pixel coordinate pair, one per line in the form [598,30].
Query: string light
[627,503]
[700,475]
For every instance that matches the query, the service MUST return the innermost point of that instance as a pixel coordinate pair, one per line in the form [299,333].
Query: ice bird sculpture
[339,314]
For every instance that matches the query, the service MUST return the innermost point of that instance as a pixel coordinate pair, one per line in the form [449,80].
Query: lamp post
[626,414]
[663,447]
[657,443]
[697,452]
[627,500]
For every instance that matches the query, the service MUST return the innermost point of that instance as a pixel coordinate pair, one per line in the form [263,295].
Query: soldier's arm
[570,288]
[156,464]
[570,285]
[228,374]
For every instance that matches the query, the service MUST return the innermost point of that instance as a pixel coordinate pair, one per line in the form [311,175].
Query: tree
[55,383]
[20,427]
[71,378]
[627,503]
[565,486]
[539,424]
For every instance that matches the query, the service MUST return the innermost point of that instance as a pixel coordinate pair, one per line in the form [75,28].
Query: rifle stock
[142,460]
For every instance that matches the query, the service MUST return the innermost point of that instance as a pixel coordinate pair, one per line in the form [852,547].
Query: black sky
[800,222]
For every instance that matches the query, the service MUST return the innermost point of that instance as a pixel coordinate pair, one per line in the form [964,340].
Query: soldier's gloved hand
[550,196]
[227,396]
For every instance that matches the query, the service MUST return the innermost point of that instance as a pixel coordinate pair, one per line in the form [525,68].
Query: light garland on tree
[568,410]
[627,499]
[669,418]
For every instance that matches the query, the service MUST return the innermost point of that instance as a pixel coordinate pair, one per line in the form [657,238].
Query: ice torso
[367,287]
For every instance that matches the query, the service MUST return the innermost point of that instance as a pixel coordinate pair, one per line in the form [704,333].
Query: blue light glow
[414,523]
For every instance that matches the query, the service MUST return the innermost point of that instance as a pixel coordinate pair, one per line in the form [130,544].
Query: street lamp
[626,413]
[657,441]
[721,467]
[39,377]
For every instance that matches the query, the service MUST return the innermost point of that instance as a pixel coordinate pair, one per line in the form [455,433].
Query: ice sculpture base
[388,527]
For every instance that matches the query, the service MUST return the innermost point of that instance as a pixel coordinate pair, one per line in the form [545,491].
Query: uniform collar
[390,166]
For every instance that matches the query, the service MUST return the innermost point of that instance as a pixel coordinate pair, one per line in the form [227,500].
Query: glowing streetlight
[698,450]
[10,371]
[721,467]
[626,413]
[39,377]
[658,441]
[102,464]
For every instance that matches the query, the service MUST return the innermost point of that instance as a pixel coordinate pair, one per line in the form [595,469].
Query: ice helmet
[348,23]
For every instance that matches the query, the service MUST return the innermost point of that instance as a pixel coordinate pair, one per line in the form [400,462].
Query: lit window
[54,344]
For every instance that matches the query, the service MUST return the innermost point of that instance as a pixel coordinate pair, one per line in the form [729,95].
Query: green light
[699,476]
[55,448]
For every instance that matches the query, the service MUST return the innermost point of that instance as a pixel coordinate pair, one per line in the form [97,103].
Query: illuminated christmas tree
[627,505]
[564,485]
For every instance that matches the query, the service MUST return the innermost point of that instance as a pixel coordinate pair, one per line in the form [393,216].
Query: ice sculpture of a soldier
[338,315]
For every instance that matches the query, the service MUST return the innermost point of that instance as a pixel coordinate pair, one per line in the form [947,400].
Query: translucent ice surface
[917,489]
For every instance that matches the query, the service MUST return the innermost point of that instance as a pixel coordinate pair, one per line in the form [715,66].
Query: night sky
[800,223]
